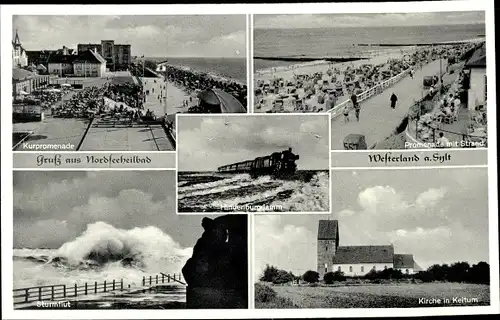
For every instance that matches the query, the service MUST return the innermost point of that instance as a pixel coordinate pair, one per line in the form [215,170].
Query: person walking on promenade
[346,113]
[394,99]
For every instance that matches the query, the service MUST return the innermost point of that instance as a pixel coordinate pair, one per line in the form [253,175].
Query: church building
[356,260]
[19,56]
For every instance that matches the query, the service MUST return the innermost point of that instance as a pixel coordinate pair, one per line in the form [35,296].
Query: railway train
[277,164]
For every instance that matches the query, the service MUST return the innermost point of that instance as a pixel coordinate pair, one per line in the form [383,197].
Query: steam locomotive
[278,164]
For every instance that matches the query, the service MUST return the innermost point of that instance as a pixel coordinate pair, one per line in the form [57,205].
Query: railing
[62,291]
[379,88]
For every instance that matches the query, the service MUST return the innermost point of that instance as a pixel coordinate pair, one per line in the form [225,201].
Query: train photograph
[253,163]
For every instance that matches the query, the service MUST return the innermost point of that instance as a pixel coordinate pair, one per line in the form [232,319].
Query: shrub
[264,293]
[311,276]
[331,277]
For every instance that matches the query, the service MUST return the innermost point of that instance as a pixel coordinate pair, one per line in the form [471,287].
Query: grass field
[378,296]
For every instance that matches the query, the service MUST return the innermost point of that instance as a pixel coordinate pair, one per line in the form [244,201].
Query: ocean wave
[101,252]
[215,184]
[298,195]
[238,182]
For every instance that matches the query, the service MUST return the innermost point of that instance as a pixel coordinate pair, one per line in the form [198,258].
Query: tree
[269,274]
[311,276]
[283,277]
[331,277]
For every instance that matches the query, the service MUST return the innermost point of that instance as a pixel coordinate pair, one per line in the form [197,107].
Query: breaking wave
[101,252]
[307,192]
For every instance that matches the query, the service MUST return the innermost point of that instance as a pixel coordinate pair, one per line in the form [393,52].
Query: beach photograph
[115,83]
[388,80]
[392,240]
[253,163]
[112,240]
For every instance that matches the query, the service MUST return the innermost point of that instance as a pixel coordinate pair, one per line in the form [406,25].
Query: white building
[161,67]
[476,66]
[19,55]
[356,261]
[61,65]
[89,64]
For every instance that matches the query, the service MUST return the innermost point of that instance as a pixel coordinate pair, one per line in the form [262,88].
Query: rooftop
[364,254]
[403,261]
[89,56]
[478,59]
[328,230]
[19,74]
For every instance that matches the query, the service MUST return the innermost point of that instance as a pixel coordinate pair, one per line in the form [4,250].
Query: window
[350,269]
[362,269]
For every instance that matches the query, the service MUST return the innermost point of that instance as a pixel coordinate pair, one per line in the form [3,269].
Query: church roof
[364,254]
[328,230]
[403,261]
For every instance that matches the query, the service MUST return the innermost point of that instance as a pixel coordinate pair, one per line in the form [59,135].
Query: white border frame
[395,7]
[249,115]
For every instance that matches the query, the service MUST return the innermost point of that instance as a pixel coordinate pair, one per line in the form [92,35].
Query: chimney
[65,50]
[95,50]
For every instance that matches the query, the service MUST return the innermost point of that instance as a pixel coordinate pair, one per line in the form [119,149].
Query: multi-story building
[19,56]
[117,56]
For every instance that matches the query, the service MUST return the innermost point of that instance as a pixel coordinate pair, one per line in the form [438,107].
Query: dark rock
[219,264]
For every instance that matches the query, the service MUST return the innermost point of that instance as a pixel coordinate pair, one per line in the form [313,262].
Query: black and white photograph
[253,163]
[115,83]
[112,240]
[393,240]
[412,80]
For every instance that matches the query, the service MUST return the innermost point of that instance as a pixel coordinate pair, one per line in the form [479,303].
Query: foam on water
[98,254]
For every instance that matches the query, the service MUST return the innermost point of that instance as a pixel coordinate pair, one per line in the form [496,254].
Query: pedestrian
[357,109]
[442,141]
[394,98]
[346,113]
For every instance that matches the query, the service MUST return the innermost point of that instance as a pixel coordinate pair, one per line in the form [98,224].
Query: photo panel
[76,91]
[112,240]
[253,163]
[413,80]
[392,240]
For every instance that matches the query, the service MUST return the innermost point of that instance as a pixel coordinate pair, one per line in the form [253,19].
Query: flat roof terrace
[52,131]
[121,137]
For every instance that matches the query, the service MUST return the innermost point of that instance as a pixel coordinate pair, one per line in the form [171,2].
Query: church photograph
[392,240]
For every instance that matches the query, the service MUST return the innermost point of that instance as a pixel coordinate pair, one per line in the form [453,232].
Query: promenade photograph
[115,83]
[389,80]
[102,240]
[392,240]
[253,163]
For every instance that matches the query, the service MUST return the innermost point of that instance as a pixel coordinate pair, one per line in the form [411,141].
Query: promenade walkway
[377,119]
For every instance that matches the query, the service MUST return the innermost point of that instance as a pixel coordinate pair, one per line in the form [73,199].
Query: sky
[54,207]
[367,20]
[202,140]
[442,218]
[153,36]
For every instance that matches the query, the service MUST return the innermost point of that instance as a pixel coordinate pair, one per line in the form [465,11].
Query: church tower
[328,242]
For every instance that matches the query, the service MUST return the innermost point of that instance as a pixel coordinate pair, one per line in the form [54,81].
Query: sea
[341,42]
[233,68]
[307,191]
[103,252]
